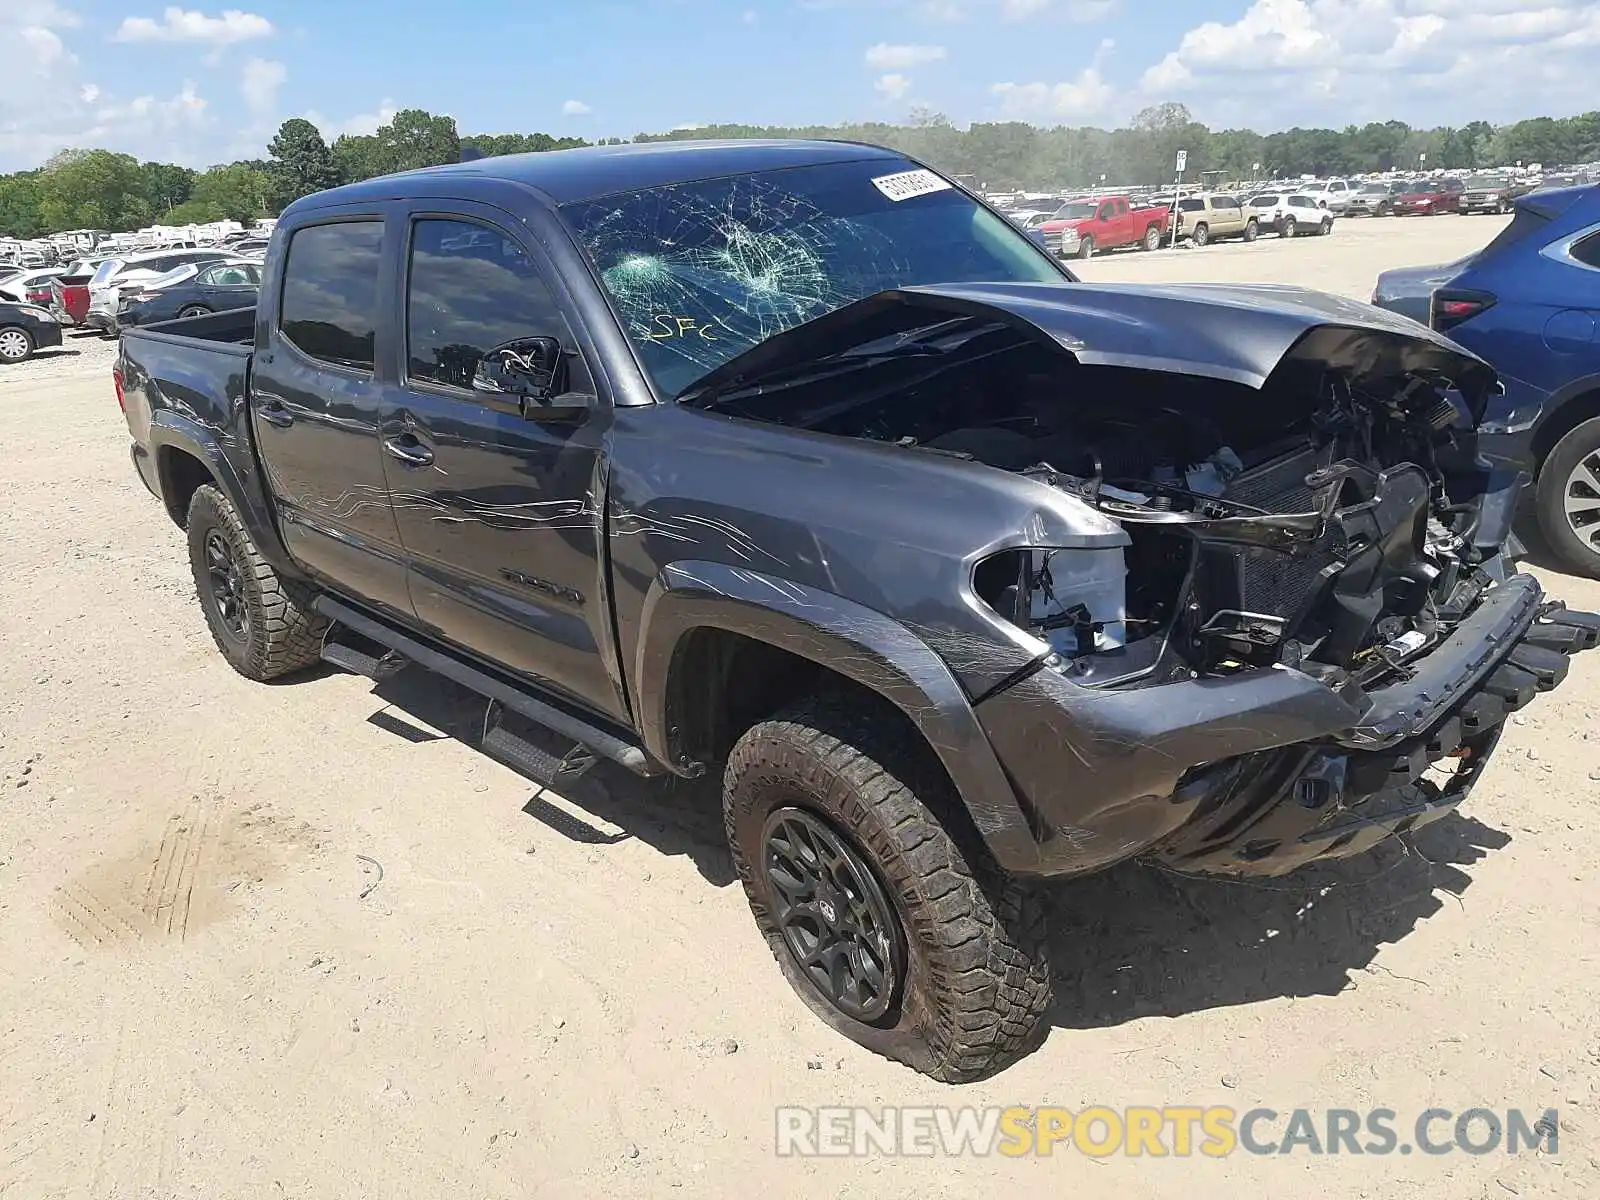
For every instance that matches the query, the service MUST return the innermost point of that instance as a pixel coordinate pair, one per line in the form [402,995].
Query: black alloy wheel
[227,587]
[835,917]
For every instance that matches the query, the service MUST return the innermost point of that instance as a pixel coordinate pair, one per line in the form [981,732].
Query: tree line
[101,189]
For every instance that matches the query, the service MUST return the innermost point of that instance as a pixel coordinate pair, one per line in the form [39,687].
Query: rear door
[314,400]
[1229,216]
[228,285]
[499,501]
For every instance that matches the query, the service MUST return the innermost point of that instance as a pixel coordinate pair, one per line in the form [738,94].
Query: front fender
[843,636]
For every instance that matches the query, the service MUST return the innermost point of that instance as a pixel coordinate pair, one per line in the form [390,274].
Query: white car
[129,272]
[15,288]
[1292,213]
[1334,195]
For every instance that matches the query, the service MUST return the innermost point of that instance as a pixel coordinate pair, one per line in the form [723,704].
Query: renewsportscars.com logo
[1175,1130]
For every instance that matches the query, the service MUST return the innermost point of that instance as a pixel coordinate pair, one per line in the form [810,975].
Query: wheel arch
[1577,402]
[722,648]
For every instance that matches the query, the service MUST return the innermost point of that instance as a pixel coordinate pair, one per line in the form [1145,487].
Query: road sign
[1183,160]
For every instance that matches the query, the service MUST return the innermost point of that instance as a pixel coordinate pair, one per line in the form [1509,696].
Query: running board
[605,744]
[376,667]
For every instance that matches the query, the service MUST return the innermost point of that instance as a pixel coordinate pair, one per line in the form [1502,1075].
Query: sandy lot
[299,941]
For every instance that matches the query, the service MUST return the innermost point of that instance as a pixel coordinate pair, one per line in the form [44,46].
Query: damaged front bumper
[1264,772]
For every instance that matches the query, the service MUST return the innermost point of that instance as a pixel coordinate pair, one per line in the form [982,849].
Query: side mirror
[535,371]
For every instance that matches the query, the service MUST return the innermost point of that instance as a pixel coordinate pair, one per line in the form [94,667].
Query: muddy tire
[1567,497]
[262,623]
[893,926]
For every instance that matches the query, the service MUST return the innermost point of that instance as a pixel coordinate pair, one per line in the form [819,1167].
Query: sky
[208,85]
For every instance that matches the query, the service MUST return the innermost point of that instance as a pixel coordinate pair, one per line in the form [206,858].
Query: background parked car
[118,275]
[29,286]
[1293,214]
[25,328]
[191,290]
[1211,218]
[1529,303]
[1489,194]
[1430,196]
[1374,199]
[69,293]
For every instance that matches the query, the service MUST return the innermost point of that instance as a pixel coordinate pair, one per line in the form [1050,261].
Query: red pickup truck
[1103,223]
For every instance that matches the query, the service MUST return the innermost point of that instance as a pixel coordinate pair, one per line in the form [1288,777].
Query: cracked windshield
[701,272]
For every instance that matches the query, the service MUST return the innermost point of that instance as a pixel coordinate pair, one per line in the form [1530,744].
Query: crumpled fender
[843,636]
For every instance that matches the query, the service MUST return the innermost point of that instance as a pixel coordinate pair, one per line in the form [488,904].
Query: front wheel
[894,927]
[1251,231]
[1568,499]
[16,345]
[1325,228]
[1086,248]
[263,624]
[1201,235]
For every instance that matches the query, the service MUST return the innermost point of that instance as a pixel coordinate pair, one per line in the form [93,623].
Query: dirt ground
[297,940]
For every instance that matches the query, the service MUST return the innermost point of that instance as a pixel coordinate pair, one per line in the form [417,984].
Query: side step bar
[603,743]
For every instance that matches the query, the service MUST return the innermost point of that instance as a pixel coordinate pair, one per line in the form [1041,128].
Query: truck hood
[1241,333]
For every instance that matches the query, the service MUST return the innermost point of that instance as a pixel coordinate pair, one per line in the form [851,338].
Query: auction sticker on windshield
[906,184]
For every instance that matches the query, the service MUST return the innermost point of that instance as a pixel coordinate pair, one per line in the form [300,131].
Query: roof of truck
[591,171]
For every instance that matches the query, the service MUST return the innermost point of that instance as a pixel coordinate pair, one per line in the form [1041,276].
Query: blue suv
[1529,303]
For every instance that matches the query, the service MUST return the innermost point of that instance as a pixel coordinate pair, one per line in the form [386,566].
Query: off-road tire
[976,979]
[283,634]
[1550,498]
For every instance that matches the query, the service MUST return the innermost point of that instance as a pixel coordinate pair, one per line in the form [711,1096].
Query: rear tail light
[116,380]
[1453,308]
[40,296]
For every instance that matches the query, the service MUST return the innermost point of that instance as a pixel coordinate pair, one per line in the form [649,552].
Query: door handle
[408,450]
[274,412]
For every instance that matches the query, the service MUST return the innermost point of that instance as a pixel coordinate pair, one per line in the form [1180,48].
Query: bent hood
[1242,333]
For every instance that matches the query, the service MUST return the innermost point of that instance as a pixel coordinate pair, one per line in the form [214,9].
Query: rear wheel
[1086,248]
[193,310]
[1201,235]
[1568,498]
[16,345]
[1289,227]
[262,623]
[1152,238]
[893,926]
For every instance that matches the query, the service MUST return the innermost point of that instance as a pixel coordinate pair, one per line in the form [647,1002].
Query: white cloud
[575,108]
[888,57]
[259,83]
[1091,10]
[892,86]
[182,25]
[1021,10]
[1332,61]
[1081,98]
[360,125]
[89,93]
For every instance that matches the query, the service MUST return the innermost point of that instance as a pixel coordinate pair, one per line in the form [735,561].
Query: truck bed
[231,332]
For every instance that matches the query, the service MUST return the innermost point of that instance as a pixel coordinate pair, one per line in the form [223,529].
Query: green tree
[166,186]
[301,161]
[94,190]
[20,214]
[238,191]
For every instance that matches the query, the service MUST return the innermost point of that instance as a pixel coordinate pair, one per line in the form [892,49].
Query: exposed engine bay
[1312,523]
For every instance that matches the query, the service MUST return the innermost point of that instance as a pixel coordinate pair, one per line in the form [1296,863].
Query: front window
[700,272]
[1483,183]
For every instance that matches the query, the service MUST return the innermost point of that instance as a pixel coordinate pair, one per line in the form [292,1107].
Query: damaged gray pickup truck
[795,461]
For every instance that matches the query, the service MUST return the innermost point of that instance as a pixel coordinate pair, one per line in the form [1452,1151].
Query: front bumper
[1262,772]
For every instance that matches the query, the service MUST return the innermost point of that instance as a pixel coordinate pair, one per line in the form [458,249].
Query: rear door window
[329,308]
